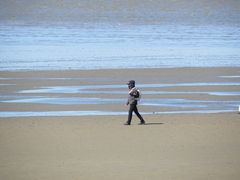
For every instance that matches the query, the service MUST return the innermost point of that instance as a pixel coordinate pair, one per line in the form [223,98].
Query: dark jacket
[133,96]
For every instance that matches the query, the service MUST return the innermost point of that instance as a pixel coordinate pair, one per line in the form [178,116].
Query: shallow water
[89,88]
[158,105]
[9,114]
[111,46]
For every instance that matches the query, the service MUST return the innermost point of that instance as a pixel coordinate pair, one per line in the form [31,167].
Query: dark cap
[131,82]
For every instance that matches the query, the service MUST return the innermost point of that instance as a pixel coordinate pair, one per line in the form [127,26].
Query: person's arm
[127,103]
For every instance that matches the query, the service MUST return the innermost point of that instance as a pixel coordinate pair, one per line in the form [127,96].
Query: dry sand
[193,146]
[168,147]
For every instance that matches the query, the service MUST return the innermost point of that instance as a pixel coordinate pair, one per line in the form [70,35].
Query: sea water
[106,46]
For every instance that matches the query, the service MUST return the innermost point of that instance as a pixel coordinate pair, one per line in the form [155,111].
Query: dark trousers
[133,108]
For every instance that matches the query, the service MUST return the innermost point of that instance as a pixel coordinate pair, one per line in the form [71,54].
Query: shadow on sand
[154,123]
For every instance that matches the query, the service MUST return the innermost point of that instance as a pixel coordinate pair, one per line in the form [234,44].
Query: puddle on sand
[182,105]
[156,102]
[65,101]
[229,76]
[9,114]
[79,89]
[215,93]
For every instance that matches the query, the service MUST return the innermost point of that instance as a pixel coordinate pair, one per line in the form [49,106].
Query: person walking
[133,97]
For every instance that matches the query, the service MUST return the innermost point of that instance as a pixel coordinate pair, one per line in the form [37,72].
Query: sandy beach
[170,146]
[63,72]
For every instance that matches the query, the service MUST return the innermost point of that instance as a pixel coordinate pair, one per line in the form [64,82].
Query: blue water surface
[104,46]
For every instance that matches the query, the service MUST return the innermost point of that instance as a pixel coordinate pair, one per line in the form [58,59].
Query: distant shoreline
[119,69]
[129,12]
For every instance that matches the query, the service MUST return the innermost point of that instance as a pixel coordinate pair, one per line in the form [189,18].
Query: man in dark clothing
[133,97]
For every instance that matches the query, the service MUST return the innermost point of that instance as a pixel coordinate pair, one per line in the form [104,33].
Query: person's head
[131,84]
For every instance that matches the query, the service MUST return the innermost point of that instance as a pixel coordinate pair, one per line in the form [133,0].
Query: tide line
[12,114]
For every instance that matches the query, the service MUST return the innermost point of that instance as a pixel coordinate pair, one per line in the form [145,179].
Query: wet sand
[62,89]
[171,146]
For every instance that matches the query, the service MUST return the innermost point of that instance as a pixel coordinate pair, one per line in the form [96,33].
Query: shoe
[127,123]
[142,123]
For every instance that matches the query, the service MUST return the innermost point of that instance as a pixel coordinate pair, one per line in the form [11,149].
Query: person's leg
[130,111]
[138,115]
